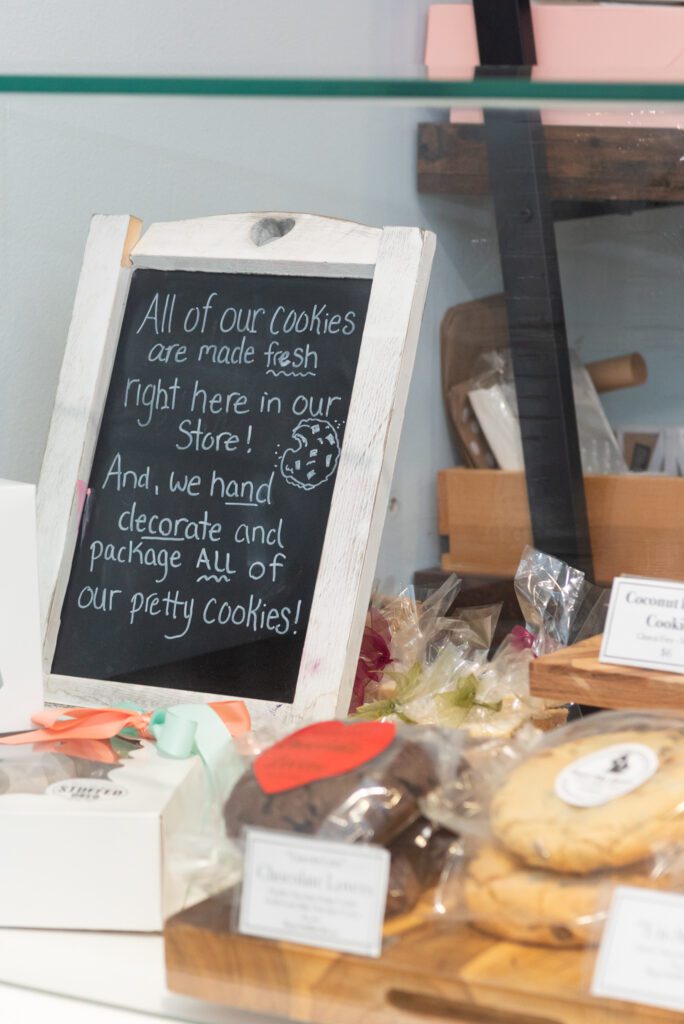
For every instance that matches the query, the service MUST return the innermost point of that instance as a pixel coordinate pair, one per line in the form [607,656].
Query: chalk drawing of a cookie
[313,458]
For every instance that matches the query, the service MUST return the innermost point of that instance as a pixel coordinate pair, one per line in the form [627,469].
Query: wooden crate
[430,971]
[635,522]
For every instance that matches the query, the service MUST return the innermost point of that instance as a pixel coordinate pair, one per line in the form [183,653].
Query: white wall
[373,37]
[623,280]
[63,158]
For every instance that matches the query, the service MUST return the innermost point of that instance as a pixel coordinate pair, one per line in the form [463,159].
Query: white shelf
[123,972]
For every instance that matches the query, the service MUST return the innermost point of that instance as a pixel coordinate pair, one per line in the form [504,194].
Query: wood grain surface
[576,674]
[83,382]
[634,522]
[430,970]
[585,164]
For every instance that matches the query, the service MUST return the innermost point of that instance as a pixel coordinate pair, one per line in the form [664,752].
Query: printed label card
[645,625]
[641,957]
[314,892]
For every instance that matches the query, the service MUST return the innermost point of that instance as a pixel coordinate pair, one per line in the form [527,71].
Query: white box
[86,845]
[21,672]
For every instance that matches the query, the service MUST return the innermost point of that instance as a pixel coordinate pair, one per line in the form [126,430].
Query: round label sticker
[88,790]
[606,774]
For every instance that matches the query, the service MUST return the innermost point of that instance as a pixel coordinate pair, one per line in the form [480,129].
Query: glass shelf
[483,90]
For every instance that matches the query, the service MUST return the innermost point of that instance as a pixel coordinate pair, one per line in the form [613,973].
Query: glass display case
[392,151]
[546,402]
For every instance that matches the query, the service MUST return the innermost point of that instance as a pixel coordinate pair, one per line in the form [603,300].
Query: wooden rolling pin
[619,372]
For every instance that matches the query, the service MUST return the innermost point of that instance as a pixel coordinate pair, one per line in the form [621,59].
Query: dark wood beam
[584,164]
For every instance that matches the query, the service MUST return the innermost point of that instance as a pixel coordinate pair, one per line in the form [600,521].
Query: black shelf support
[531,279]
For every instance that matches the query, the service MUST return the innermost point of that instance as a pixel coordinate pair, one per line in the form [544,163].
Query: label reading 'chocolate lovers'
[606,774]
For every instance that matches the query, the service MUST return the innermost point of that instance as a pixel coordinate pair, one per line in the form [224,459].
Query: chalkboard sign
[219,521]
[212,481]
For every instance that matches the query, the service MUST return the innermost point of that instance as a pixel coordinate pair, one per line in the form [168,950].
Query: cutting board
[430,971]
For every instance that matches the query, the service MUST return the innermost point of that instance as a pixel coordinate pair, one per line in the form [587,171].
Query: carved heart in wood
[269,229]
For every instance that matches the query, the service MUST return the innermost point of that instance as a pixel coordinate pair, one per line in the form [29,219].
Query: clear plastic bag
[498,894]
[599,447]
[440,687]
[397,633]
[492,395]
[32,769]
[550,826]
[415,625]
[436,670]
[378,801]
[371,802]
[559,605]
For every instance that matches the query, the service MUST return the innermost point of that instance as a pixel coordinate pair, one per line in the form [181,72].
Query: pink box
[575,42]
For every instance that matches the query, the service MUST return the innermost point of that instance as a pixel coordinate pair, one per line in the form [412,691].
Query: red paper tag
[320,751]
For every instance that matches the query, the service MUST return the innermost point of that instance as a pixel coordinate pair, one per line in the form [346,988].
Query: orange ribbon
[105,723]
[234,715]
[84,750]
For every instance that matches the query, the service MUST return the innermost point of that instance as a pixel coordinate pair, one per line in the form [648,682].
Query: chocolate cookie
[404,889]
[372,803]
[426,847]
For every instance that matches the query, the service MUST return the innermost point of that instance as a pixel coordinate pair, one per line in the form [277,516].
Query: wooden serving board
[430,970]
[575,674]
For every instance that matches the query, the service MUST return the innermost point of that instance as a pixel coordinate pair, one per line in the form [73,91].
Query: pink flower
[374,657]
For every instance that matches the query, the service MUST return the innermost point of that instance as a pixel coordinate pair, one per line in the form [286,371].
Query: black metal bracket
[505,35]
[529,263]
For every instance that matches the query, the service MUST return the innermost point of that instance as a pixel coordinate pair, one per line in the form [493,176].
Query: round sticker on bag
[606,774]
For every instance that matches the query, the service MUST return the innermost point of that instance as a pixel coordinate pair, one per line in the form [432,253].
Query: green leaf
[376,709]
[449,711]
[408,684]
[465,694]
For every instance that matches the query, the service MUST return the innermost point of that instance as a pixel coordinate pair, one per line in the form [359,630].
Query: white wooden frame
[398,260]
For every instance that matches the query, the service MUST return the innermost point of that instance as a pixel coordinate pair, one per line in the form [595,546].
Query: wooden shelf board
[621,165]
[575,674]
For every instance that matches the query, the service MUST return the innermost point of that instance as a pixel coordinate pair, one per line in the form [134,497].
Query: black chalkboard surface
[212,480]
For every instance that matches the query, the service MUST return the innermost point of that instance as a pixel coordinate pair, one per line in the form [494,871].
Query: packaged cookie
[550,826]
[503,897]
[602,793]
[426,846]
[354,782]
[359,781]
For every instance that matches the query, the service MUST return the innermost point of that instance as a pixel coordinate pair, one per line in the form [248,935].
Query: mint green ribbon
[185,730]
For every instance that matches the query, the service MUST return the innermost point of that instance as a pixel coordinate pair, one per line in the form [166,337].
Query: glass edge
[480,88]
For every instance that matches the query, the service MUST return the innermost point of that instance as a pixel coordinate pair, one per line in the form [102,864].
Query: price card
[645,625]
[314,892]
[641,957]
